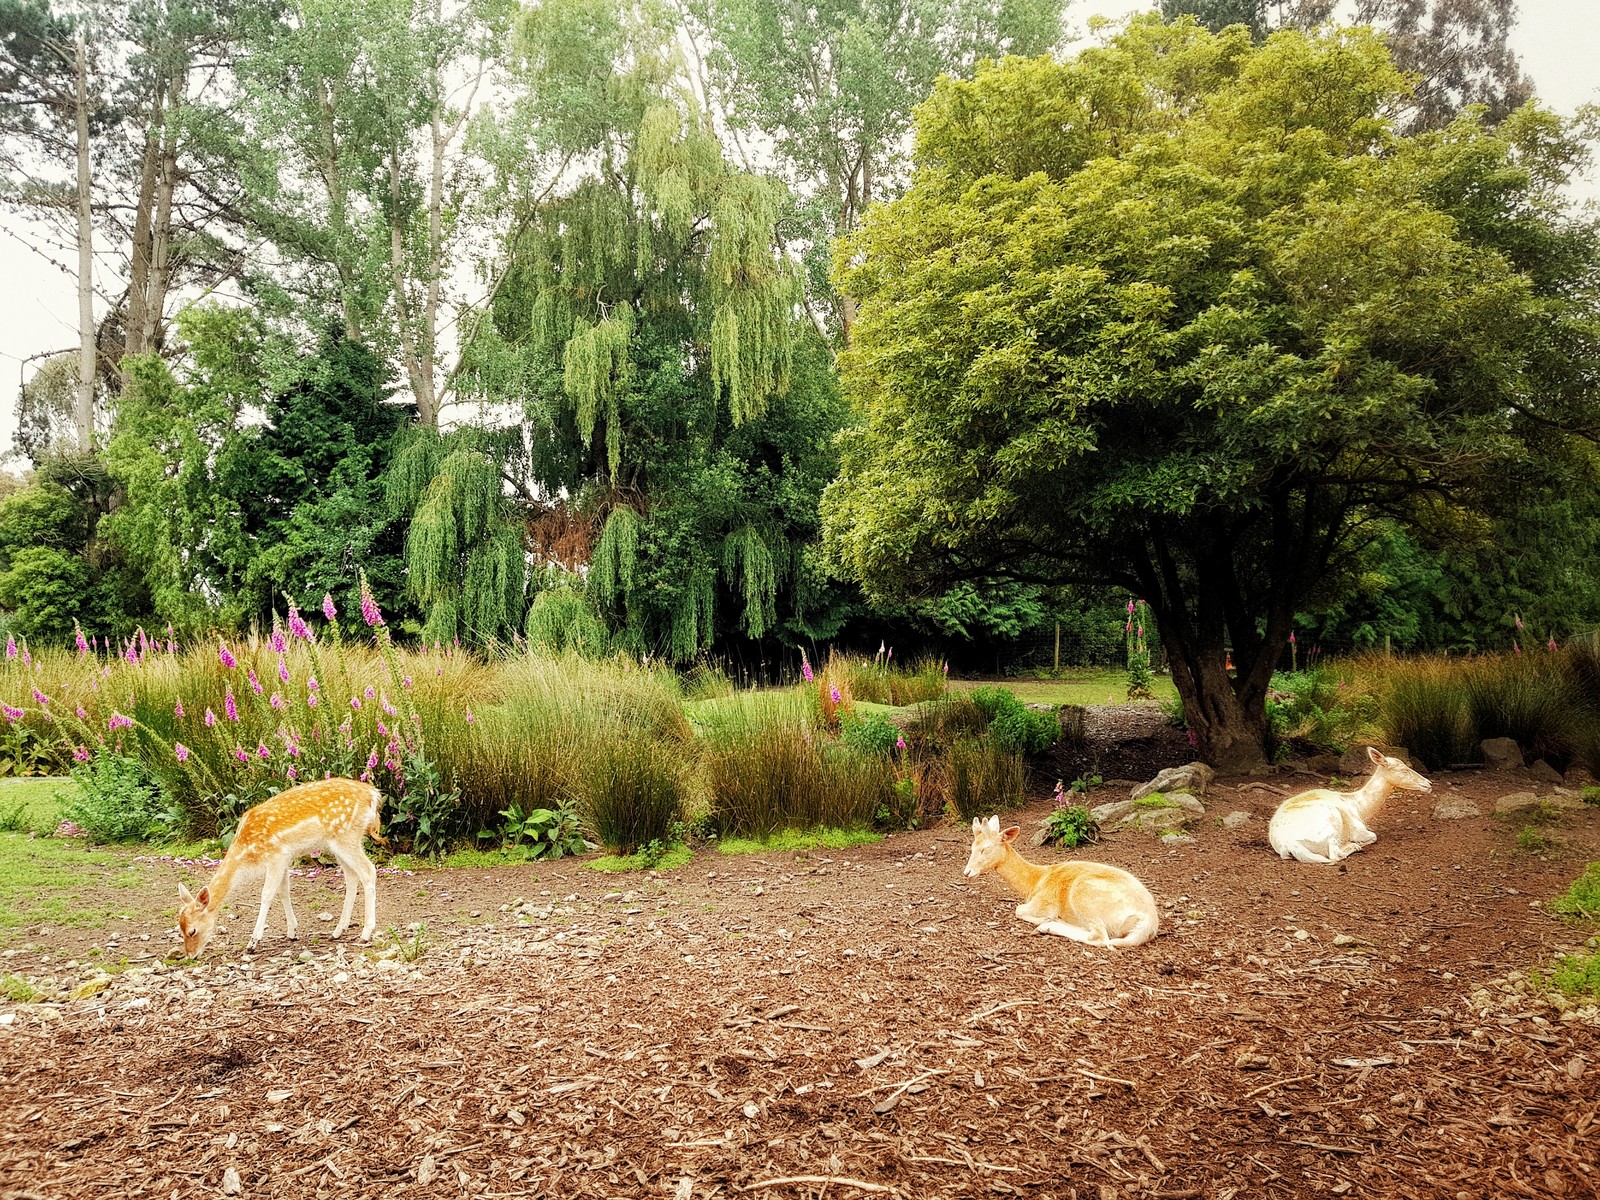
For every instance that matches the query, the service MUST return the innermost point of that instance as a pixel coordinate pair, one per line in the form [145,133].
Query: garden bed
[861,1014]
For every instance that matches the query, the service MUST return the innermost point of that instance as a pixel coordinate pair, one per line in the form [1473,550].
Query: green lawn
[1090,685]
[34,802]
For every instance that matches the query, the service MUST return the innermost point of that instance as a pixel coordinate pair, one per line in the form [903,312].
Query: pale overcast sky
[1558,40]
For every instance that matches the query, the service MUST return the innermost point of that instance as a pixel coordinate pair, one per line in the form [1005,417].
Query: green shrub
[1070,824]
[14,819]
[980,777]
[1582,899]
[1426,709]
[117,800]
[633,791]
[561,620]
[869,735]
[1013,725]
[542,832]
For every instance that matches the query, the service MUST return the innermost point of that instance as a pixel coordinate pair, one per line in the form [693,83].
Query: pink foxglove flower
[276,700]
[82,716]
[297,626]
[132,654]
[83,644]
[81,754]
[229,705]
[177,709]
[283,670]
[255,684]
[328,610]
[262,751]
[118,721]
[833,690]
[312,685]
[369,693]
[13,715]
[291,774]
[387,707]
[11,647]
[355,702]
[311,700]
[372,760]
[210,718]
[1515,646]
[278,644]
[369,609]
[469,716]
[242,754]
[180,751]
[1552,646]
[1130,608]
[900,742]
[41,699]
[805,668]
[226,656]
[406,683]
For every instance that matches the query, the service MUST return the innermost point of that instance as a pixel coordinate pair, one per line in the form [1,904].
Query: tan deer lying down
[1085,901]
[327,814]
[1324,826]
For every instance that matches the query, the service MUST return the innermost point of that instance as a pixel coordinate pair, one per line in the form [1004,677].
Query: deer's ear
[205,896]
[977,824]
[994,824]
[183,894]
[1010,835]
[1375,754]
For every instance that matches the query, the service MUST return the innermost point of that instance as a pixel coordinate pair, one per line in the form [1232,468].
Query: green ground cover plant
[1582,899]
[787,840]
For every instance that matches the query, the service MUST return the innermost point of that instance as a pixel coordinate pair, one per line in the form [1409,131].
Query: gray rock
[1157,820]
[1110,814]
[1543,772]
[1235,819]
[1186,802]
[1454,808]
[1193,777]
[1040,836]
[1576,777]
[1501,754]
[1516,802]
[1176,839]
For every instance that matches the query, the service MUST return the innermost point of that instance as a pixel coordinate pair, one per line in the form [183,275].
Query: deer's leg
[358,870]
[288,908]
[270,883]
[1076,933]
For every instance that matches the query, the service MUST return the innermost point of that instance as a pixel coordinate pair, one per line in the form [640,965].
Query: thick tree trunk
[1230,732]
[83,407]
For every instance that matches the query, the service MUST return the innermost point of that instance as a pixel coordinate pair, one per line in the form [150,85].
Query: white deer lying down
[1085,901]
[1324,826]
[327,814]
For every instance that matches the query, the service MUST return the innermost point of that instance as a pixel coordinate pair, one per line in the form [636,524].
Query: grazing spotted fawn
[326,814]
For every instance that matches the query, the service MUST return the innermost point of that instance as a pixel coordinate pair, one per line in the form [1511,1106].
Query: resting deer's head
[989,844]
[196,921]
[1395,773]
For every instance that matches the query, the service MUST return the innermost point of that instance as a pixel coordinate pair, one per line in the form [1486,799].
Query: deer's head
[196,921]
[1395,773]
[989,844]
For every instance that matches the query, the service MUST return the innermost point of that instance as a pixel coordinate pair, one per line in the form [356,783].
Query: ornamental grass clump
[632,791]
[1424,706]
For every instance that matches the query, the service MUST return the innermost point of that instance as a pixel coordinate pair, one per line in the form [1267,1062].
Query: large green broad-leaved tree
[1186,315]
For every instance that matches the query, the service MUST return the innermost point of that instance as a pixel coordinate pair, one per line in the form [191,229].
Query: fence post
[1057,665]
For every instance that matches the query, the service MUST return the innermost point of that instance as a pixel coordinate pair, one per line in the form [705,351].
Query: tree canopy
[1187,315]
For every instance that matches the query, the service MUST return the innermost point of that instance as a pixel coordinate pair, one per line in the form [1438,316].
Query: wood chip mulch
[858,1023]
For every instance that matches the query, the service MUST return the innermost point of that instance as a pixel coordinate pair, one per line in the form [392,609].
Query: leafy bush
[1013,725]
[117,800]
[1070,824]
[543,832]
[869,735]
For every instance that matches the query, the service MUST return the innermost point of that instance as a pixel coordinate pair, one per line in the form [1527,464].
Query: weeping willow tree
[649,332]
[464,560]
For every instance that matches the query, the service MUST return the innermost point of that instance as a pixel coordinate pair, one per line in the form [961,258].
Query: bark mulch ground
[856,1023]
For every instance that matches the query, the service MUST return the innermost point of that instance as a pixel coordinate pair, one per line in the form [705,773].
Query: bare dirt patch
[855,1023]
